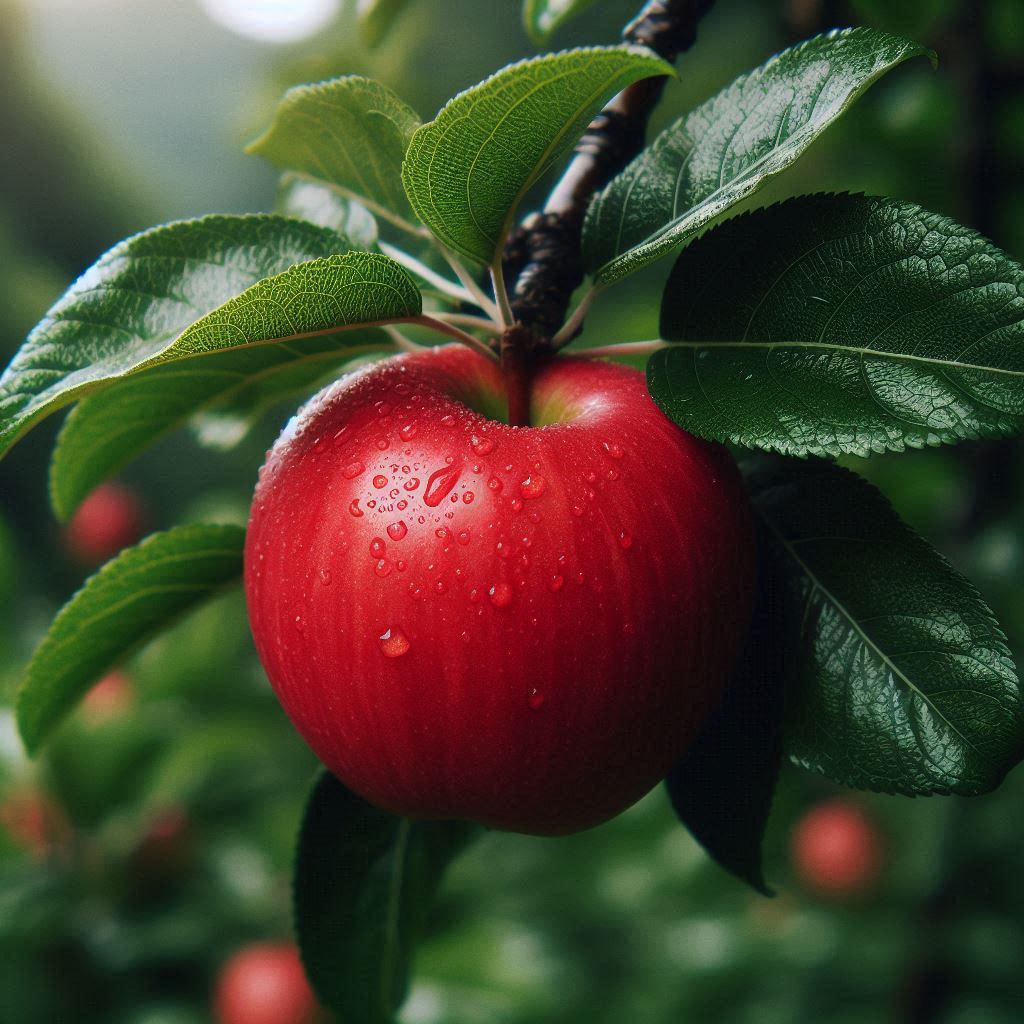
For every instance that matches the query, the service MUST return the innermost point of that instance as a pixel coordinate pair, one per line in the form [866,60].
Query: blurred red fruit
[110,698]
[264,984]
[108,520]
[34,823]
[837,849]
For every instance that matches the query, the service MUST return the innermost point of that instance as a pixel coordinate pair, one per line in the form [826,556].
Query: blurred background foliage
[155,835]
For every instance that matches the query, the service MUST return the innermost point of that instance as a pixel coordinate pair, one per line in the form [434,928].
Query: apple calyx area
[519,626]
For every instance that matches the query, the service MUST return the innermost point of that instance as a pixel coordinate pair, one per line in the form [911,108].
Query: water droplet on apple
[495,484]
[354,508]
[380,481]
[482,444]
[371,503]
[383,408]
[396,531]
[377,547]
[325,577]
[299,624]
[352,470]
[533,486]
[440,586]
[394,643]
[448,421]
[408,432]
[614,450]
[382,443]
[402,505]
[339,437]
[463,537]
[577,509]
[517,505]
[536,699]
[474,596]
[383,568]
[612,474]
[439,485]
[500,595]
[415,591]
[534,517]
[625,541]
[412,483]
[556,583]
[628,628]
[468,497]
[442,533]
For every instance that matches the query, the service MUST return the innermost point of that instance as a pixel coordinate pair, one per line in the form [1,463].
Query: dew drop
[408,432]
[393,493]
[625,541]
[415,591]
[448,421]
[402,505]
[442,533]
[382,443]
[439,485]
[500,595]
[377,547]
[394,643]
[383,408]
[468,497]
[482,444]
[396,531]
[533,486]
[325,577]
[614,450]
[628,628]
[400,565]
[299,624]
[463,537]
[440,586]
[339,437]
[412,483]
[577,509]
[534,517]
[495,484]
[380,481]
[371,503]
[383,568]
[556,583]
[474,596]
[354,508]
[536,699]
[517,505]
[612,474]
[352,470]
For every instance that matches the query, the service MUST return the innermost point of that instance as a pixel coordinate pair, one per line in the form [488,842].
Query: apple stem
[515,369]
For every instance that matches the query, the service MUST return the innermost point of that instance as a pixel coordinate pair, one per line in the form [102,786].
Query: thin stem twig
[454,332]
[422,271]
[480,323]
[571,326]
[480,297]
[401,342]
[501,294]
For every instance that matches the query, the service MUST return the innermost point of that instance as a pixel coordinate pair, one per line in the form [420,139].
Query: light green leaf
[543,18]
[350,132]
[228,390]
[143,304]
[364,882]
[904,683]
[376,18]
[723,151]
[143,590]
[842,324]
[466,171]
[326,207]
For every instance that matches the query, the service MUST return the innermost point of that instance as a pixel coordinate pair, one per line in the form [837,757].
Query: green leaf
[466,171]
[720,153]
[904,682]
[143,304]
[832,324]
[223,394]
[376,17]
[364,881]
[722,788]
[122,606]
[350,132]
[543,18]
[327,208]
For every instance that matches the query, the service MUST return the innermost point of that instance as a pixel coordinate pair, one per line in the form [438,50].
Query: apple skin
[107,521]
[264,984]
[836,849]
[518,626]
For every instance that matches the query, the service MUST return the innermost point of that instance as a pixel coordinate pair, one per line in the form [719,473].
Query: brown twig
[542,263]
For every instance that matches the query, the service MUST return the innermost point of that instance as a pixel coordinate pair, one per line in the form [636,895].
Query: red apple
[519,626]
[109,519]
[264,984]
[108,699]
[837,849]
[34,822]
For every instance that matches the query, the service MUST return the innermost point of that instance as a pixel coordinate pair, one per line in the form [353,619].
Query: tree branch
[542,263]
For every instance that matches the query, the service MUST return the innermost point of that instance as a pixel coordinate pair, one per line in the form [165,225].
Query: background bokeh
[163,829]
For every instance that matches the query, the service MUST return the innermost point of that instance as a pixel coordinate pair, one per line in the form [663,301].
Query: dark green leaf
[143,304]
[832,324]
[720,153]
[466,171]
[543,18]
[722,789]
[224,394]
[904,682]
[327,208]
[364,881]
[376,18]
[129,600]
[350,132]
